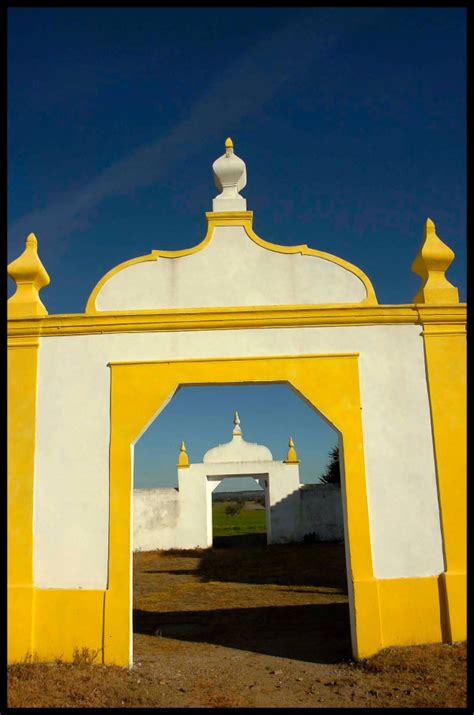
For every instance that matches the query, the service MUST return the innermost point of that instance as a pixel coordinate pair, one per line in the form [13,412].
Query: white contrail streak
[238,92]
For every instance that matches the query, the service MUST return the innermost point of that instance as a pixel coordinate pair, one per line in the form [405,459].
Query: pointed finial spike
[291,457]
[183,460]
[229,148]
[237,430]
[430,228]
[32,240]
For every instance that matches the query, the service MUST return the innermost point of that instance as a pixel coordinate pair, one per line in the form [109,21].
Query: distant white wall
[182,518]
[316,509]
[155,518]
[73,434]
[321,512]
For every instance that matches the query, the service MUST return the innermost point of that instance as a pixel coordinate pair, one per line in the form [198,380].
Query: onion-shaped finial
[431,264]
[230,177]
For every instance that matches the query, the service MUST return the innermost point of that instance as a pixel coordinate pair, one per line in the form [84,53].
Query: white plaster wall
[155,518]
[281,480]
[303,509]
[72,459]
[237,450]
[283,487]
[182,518]
[253,276]
[321,512]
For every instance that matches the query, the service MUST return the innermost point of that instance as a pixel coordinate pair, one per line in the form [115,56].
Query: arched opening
[240,515]
[239,501]
[328,383]
[305,553]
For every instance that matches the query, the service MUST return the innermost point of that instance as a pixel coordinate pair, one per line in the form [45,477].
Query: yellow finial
[183,460]
[291,457]
[229,148]
[30,276]
[431,264]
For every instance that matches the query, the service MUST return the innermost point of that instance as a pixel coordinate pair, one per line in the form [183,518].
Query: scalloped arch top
[231,267]
[238,450]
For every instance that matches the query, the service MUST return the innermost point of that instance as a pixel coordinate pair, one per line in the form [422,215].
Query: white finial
[237,430]
[230,177]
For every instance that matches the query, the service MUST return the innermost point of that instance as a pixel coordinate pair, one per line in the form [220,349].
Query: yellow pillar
[445,355]
[444,339]
[21,411]
[21,407]
[30,276]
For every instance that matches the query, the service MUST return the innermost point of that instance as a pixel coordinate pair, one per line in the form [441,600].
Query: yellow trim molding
[445,357]
[21,411]
[236,318]
[329,382]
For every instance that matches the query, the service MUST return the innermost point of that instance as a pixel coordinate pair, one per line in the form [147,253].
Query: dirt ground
[246,625]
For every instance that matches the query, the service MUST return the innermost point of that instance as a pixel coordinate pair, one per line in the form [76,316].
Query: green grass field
[248,521]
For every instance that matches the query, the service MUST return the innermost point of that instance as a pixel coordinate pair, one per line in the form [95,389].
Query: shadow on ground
[315,633]
[248,559]
[309,622]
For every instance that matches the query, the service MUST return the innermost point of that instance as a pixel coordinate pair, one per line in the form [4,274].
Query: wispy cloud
[239,91]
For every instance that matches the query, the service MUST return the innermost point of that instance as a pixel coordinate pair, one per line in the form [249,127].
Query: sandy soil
[246,626]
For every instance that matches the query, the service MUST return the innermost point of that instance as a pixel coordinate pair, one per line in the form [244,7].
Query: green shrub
[234,508]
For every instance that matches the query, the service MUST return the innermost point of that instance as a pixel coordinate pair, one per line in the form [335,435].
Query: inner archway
[238,515]
[327,382]
[196,594]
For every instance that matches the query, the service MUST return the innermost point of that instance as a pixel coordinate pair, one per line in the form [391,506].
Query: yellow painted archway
[51,622]
[330,383]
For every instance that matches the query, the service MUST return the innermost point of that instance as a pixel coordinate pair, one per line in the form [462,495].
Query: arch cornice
[232,218]
[236,318]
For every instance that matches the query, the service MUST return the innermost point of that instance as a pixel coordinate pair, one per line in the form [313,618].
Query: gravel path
[247,626]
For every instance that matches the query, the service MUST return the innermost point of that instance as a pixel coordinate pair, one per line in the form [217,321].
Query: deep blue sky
[352,123]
